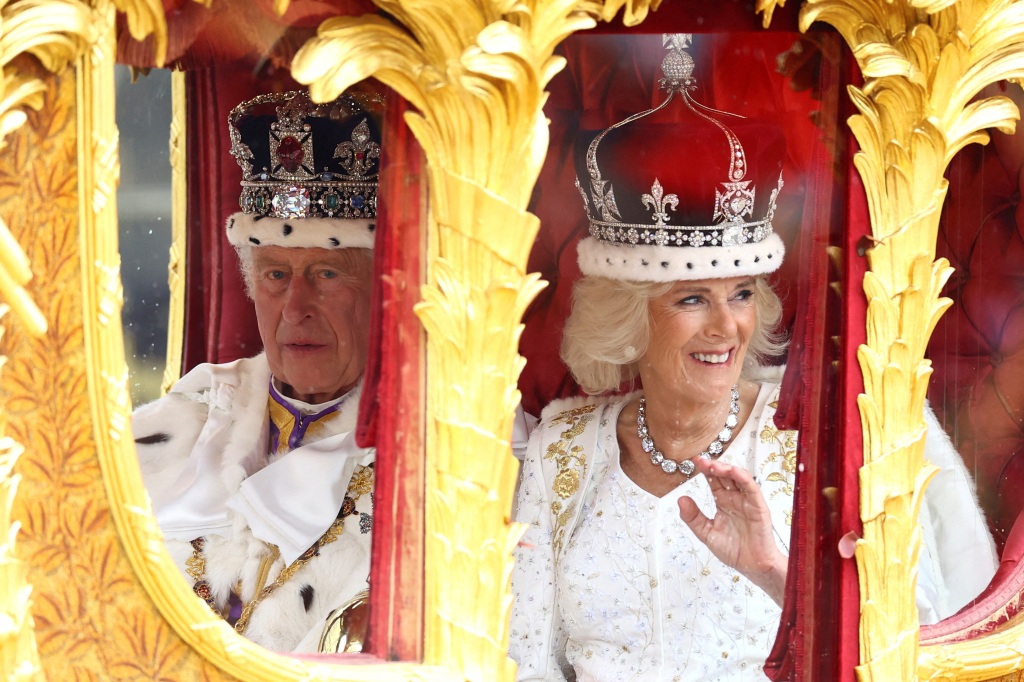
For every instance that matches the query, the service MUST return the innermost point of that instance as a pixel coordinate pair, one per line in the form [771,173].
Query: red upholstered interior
[978,347]
[606,80]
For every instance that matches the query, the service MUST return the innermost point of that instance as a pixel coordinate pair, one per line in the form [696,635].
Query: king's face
[313,309]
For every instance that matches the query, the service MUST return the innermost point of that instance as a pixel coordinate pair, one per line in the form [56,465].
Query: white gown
[635,595]
[620,588]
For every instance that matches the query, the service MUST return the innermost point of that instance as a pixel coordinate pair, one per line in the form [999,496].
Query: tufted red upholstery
[978,347]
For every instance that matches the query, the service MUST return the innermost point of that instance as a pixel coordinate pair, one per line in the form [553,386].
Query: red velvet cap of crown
[668,194]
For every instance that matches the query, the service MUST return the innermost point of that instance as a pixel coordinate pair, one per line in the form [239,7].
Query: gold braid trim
[570,461]
[332,534]
[195,566]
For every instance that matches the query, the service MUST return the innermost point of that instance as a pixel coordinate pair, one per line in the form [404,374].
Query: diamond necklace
[686,467]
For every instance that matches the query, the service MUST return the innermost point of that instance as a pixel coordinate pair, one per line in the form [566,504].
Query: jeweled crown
[301,159]
[706,178]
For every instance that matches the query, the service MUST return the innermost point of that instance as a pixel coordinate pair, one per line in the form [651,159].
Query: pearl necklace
[686,467]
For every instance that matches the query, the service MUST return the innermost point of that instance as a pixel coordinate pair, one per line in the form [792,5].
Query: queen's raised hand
[740,535]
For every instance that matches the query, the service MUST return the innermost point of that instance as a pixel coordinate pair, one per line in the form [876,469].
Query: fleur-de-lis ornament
[660,202]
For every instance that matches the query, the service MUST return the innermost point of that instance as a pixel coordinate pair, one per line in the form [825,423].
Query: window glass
[144,216]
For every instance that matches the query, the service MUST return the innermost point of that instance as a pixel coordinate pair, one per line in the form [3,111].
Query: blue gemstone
[357,201]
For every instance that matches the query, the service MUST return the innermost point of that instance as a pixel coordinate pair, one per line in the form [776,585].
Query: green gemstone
[261,202]
[331,202]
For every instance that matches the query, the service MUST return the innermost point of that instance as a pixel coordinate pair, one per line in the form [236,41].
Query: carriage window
[977,348]
[144,216]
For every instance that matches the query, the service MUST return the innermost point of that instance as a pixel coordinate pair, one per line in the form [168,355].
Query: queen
[659,509]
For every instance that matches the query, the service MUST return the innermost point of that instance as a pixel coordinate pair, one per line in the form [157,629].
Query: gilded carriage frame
[923,61]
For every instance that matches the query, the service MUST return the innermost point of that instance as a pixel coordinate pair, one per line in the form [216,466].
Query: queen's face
[700,333]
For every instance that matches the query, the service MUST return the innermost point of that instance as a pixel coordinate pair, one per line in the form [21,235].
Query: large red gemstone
[290,153]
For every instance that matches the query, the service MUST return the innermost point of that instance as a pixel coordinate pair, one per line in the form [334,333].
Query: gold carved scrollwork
[176,262]
[89,618]
[146,18]
[476,71]
[923,63]
[54,33]
[767,8]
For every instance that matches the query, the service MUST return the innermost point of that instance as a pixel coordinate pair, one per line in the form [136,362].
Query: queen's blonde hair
[609,329]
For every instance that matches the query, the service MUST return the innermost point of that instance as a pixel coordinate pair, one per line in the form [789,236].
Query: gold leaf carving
[14,275]
[146,17]
[176,262]
[476,73]
[18,654]
[767,8]
[108,171]
[84,594]
[54,31]
[923,62]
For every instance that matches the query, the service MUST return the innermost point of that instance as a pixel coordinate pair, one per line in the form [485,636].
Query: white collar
[292,501]
[289,503]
